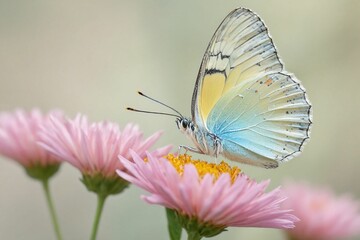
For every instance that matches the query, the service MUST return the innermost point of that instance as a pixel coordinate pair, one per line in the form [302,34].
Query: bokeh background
[92,57]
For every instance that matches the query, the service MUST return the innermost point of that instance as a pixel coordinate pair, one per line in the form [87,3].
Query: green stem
[174,226]
[45,183]
[100,206]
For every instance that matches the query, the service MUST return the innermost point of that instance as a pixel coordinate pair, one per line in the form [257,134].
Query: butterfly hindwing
[267,119]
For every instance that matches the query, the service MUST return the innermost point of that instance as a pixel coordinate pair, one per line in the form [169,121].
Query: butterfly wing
[264,122]
[239,50]
[243,96]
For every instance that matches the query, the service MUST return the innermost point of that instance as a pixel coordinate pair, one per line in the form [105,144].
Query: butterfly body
[245,106]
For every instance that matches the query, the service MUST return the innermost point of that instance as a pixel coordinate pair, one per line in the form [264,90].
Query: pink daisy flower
[93,148]
[322,215]
[19,136]
[213,196]
[19,133]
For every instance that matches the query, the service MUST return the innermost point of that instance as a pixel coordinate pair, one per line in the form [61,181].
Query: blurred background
[92,57]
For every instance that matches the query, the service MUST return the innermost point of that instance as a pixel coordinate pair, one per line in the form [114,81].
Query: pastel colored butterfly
[245,106]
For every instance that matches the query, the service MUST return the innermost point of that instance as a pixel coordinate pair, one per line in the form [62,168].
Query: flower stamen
[203,167]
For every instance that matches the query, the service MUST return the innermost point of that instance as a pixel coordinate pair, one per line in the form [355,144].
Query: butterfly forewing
[240,50]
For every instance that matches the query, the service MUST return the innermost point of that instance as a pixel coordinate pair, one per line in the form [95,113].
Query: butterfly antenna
[160,113]
[152,99]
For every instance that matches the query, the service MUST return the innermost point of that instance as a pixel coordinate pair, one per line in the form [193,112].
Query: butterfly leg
[191,149]
[218,147]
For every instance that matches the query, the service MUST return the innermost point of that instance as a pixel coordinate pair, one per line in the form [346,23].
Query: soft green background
[92,57]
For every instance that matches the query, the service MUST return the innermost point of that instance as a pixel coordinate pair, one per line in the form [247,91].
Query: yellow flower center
[203,167]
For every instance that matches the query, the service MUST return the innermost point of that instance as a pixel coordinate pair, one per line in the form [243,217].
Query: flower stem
[45,183]
[100,206]
[174,226]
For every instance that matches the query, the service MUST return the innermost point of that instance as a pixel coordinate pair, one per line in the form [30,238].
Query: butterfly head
[185,125]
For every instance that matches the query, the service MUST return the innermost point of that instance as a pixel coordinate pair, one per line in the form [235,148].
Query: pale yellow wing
[240,51]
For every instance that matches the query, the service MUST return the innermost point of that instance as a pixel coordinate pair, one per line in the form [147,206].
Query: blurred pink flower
[216,195]
[322,215]
[93,148]
[19,133]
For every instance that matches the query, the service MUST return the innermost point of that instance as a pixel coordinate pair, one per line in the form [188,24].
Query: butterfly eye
[192,128]
[184,124]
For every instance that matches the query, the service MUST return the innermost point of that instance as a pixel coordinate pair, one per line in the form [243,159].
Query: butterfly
[245,106]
